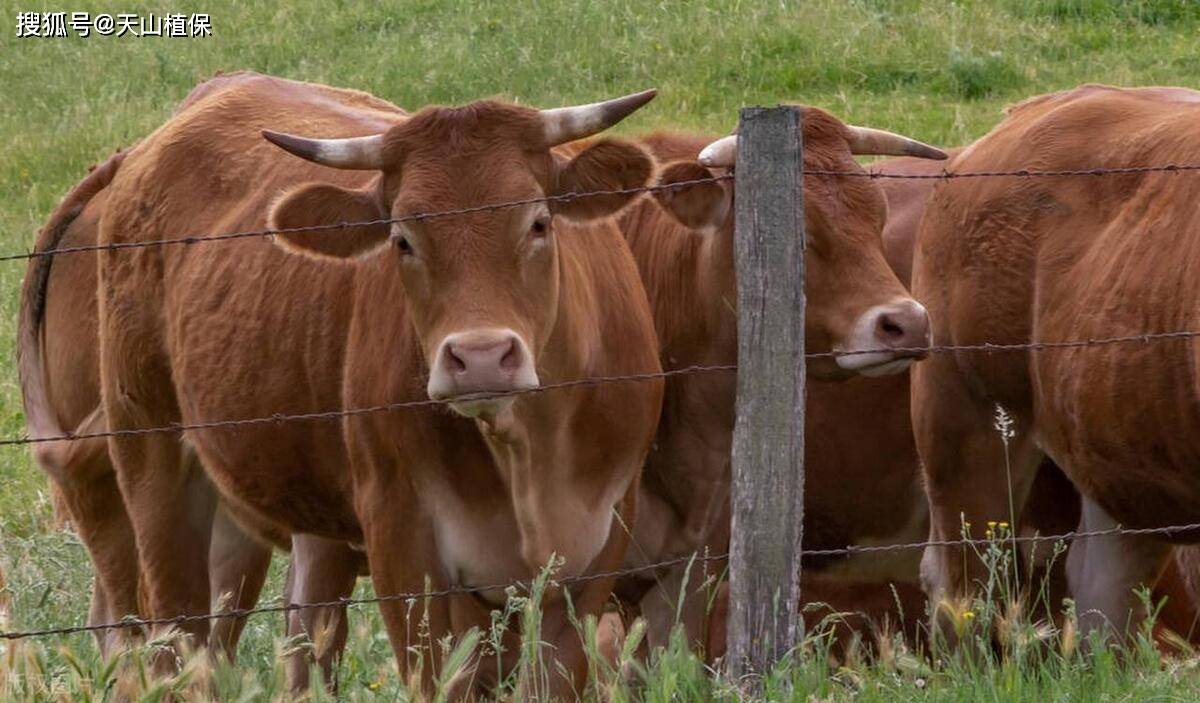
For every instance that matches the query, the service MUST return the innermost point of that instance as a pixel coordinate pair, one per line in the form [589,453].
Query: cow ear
[318,204]
[696,206]
[609,164]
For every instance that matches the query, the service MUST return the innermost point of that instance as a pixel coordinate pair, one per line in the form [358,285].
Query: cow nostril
[453,362]
[512,358]
[889,328]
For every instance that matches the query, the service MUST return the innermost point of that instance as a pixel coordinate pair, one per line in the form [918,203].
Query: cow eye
[540,226]
[403,245]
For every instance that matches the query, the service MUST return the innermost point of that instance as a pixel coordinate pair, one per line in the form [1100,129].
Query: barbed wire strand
[280,418]
[569,197]
[347,602]
[415,217]
[1002,540]
[1017,173]
[851,550]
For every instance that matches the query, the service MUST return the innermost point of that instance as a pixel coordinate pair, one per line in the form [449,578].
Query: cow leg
[89,489]
[237,569]
[171,504]
[968,475]
[565,656]
[1051,509]
[98,613]
[556,668]
[1180,584]
[321,570]
[662,606]
[1103,573]
[402,552]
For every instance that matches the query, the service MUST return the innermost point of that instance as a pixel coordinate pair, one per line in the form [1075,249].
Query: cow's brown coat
[1011,259]
[243,330]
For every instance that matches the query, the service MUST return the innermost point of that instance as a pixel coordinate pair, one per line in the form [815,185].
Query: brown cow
[58,366]
[1013,259]
[1053,504]
[60,377]
[486,301]
[855,302]
[60,381]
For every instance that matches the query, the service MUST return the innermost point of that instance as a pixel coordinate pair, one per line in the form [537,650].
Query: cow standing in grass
[1009,260]
[499,300]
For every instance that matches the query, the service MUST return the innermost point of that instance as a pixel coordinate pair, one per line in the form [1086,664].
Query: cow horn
[866,140]
[721,153]
[356,153]
[565,124]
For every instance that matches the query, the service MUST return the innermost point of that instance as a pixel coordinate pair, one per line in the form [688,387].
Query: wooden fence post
[768,439]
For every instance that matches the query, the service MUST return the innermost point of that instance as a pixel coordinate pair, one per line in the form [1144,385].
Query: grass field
[939,71]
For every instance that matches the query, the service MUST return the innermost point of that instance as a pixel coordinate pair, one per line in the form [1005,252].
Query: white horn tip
[707,157]
[722,152]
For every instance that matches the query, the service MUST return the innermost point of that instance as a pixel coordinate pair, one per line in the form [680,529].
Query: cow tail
[41,420]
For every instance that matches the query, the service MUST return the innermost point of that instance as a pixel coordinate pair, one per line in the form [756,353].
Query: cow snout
[902,325]
[887,338]
[481,362]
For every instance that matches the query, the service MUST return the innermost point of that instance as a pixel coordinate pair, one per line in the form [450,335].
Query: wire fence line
[128,623]
[415,217]
[281,418]
[1006,539]
[999,540]
[570,197]
[1017,173]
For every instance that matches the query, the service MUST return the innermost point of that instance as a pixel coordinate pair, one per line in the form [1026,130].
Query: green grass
[938,71]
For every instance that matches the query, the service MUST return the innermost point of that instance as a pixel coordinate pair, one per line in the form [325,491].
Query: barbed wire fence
[944,175]
[694,558]
[337,414]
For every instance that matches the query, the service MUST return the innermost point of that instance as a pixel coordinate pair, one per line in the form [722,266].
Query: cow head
[855,301]
[481,287]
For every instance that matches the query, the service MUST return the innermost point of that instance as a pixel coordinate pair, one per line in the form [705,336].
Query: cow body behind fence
[1013,259]
[491,301]
[855,301]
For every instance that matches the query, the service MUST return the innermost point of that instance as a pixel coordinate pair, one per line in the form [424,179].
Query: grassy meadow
[938,70]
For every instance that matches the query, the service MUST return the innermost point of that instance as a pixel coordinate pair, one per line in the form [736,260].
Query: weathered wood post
[768,439]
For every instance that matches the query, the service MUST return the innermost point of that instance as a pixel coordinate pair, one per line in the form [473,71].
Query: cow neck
[689,279]
[530,444]
[719,297]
